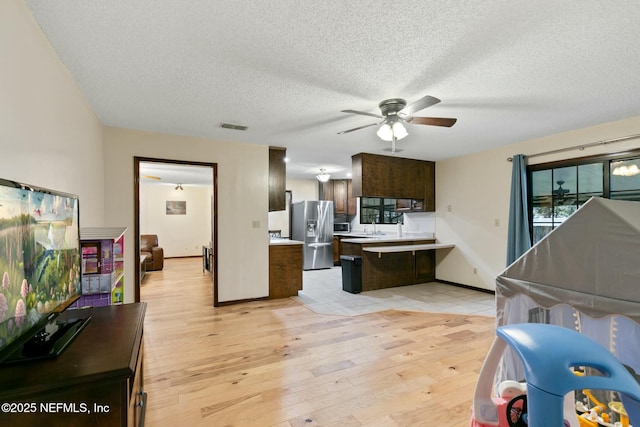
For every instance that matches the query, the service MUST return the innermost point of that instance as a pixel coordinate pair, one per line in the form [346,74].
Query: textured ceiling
[508,70]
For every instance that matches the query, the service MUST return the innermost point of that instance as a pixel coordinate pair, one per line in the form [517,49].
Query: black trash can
[351,273]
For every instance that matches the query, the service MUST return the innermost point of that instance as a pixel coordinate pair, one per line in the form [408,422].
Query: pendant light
[324,176]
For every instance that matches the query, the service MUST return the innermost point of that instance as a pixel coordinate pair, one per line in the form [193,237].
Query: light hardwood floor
[276,363]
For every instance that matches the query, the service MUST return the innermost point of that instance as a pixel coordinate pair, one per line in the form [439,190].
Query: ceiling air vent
[232,127]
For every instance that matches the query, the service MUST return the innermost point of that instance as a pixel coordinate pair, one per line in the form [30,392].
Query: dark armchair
[155,254]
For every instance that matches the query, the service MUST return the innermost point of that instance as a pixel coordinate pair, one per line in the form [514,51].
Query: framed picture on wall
[176,207]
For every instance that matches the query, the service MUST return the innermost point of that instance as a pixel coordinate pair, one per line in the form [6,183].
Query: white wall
[303,189]
[49,135]
[178,235]
[243,198]
[472,199]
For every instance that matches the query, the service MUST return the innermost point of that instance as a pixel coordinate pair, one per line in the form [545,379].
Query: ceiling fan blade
[433,121]
[358,128]
[362,113]
[420,104]
[157,178]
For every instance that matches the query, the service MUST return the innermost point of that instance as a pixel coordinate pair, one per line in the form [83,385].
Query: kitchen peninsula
[394,261]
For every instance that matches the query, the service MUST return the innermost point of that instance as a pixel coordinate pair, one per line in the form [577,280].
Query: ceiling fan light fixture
[399,130]
[323,176]
[179,187]
[387,131]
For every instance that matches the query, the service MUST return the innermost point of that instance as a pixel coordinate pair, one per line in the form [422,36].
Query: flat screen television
[40,265]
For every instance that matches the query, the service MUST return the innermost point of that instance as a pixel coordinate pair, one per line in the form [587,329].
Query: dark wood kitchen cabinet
[285,269]
[277,179]
[338,247]
[340,191]
[394,177]
[406,267]
[352,204]
[425,266]
[340,196]
[325,190]
[96,381]
[336,250]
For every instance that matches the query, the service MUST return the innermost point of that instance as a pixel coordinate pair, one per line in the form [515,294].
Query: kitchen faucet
[373,223]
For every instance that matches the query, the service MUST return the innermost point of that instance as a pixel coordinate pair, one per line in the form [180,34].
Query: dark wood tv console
[96,381]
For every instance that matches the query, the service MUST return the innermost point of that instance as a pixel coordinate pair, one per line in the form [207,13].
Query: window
[379,210]
[625,180]
[556,193]
[558,189]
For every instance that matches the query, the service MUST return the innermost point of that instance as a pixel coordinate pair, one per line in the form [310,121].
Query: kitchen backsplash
[419,223]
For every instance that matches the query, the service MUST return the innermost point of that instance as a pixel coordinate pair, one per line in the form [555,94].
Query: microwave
[343,227]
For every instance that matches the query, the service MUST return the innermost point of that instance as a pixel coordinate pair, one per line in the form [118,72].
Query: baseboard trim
[460,285]
[184,256]
[240,301]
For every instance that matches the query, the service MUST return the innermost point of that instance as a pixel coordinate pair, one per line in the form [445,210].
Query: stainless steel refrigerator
[312,223]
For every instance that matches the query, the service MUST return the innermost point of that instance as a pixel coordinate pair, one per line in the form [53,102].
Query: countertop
[391,238]
[353,234]
[285,242]
[409,248]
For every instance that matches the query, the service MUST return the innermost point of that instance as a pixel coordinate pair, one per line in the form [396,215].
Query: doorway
[176,176]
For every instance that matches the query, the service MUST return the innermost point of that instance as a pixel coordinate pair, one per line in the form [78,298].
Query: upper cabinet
[340,191]
[277,179]
[340,196]
[394,177]
[325,190]
[352,204]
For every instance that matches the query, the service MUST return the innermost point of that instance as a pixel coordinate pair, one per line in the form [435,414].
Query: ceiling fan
[395,112]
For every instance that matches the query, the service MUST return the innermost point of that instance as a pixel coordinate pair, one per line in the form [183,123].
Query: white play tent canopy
[585,275]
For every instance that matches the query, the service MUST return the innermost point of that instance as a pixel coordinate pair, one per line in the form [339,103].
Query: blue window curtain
[518,239]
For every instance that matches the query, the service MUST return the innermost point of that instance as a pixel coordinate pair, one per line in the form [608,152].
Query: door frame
[214,216]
